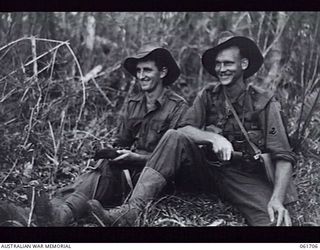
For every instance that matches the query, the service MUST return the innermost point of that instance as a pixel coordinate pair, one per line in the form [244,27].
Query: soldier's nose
[140,75]
[222,68]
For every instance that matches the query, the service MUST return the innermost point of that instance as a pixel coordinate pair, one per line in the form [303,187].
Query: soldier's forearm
[143,157]
[197,135]
[282,177]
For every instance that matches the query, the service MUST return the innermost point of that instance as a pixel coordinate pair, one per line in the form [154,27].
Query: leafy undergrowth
[306,211]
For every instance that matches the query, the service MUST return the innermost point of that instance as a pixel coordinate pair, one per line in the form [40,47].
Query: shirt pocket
[159,127]
[257,137]
[155,131]
[134,125]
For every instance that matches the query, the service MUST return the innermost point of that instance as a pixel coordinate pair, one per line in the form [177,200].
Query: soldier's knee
[171,132]
[174,134]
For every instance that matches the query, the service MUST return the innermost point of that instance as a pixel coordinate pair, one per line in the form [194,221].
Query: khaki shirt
[258,111]
[142,129]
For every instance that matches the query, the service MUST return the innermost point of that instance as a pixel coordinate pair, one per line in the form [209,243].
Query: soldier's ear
[163,72]
[244,63]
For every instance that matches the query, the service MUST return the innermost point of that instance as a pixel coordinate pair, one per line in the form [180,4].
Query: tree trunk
[274,53]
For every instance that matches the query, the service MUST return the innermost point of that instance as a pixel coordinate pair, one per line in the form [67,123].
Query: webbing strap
[128,178]
[256,150]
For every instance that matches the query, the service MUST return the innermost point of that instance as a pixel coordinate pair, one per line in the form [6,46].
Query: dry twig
[12,168]
[32,206]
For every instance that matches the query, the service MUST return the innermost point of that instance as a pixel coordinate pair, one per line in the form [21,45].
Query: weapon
[107,153]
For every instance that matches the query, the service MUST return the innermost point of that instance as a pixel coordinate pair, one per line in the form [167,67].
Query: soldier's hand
[126,156]
[276,210]
[106,153]
[222,147]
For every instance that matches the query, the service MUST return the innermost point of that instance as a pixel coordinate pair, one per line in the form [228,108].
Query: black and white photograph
[160,119]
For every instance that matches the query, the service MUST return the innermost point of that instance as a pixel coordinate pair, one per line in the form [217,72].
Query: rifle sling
[255,149]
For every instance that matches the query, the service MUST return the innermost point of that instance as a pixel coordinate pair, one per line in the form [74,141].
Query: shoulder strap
[256,150]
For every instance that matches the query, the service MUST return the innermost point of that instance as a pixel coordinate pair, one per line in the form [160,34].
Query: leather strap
[256,150]
[128,178]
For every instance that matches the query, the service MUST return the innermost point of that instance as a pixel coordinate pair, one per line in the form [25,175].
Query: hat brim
[248,48]
[130,64]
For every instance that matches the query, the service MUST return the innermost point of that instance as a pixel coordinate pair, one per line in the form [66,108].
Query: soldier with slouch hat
[145,118]
[199,154]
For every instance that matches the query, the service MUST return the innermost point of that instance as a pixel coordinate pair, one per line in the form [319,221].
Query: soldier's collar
[260,96]
[158,102]
[239,97]
[137,97]
[141,97]
[162,98]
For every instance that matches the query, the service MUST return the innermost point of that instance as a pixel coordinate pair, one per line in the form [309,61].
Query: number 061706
[309,245]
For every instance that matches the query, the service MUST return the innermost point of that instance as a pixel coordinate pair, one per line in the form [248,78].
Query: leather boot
[149,185]
[12,215]
[61,215]
[74,207]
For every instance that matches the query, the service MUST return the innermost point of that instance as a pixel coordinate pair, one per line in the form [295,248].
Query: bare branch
[34,56]
[53,139]
[11,169]
[263,14]
[32,206]
[241,17]
[29,127]
[37,58]
[83,85]
[102,93]
[278,34]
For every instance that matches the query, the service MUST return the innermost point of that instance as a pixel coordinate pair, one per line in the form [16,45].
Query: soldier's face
[148,75]
[228,66]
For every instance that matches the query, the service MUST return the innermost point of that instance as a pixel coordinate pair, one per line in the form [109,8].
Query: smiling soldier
[226,117]
[144,119]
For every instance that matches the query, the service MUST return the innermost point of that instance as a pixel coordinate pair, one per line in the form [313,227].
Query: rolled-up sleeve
[277,141]
[196,114]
